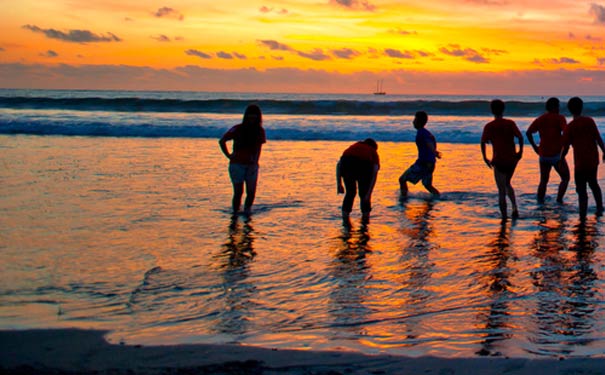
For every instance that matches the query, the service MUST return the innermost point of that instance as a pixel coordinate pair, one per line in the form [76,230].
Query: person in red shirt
[501,134]
[582,133]
[248,138]
[358,168]
[550,126]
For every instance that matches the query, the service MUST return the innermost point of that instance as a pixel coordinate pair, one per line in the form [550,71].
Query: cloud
[161,38]
[345,53]
[275,45]
[239,56]
[50,53]
[559,61]
[491,51]
[399,31]
[265,9]
[317,54]
[355,4]
[601,60]
[194,52]
[224,55]
[488,2]
[74,36]
[166,12]
[398,54]
[468,54]
[598,12]
[2,49]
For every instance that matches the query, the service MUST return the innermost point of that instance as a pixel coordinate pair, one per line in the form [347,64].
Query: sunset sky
[340,46]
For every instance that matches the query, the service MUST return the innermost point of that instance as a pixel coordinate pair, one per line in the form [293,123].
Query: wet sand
[75,351]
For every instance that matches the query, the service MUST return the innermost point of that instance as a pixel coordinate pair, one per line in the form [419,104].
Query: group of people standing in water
[357,169]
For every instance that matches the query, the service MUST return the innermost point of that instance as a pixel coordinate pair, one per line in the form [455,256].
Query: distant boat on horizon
[379,90]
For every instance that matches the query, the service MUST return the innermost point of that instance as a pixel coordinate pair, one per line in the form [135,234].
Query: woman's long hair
[251,125]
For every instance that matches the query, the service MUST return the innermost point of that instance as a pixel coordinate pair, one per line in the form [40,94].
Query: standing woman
[248,138]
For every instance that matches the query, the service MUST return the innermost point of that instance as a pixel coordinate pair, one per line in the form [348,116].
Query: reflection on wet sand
[566,285]
[581,295]
[236,255]
[350,272]
[416,263]
[496,279]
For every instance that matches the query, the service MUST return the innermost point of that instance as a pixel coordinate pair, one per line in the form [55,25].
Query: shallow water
[134,236]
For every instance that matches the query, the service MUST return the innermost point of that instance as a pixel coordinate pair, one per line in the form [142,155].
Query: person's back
[550,126]
[582,135]
[501,134]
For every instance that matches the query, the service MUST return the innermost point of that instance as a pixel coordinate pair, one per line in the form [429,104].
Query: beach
[116,228]
[85,352]
[134,236]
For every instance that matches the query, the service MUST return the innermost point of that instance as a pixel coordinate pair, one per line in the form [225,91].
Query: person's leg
[403,185]
[236,173]
[511,194]
[251,183]
[544,176]
[427,181]
[581,181]
[350,192]
[563,170]
[364,187]
[238,191]
[593,183]
[501,182]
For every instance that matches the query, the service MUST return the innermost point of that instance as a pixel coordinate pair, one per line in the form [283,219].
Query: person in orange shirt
[358,167]
[501,134]
[582,133]
[550,126]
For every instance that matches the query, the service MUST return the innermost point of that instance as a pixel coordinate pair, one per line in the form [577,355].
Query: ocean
[115,215]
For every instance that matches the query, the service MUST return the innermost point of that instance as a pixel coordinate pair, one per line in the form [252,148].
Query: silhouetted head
[575,106]
[497,107]
[371,142]
[552,105]
[420,119]
[253,116]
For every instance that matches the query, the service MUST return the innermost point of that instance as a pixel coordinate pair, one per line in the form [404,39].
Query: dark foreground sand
[70,351]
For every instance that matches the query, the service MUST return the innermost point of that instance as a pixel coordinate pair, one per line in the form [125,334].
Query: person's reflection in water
[498,284]
[350,273]
[582,295]
[236,255]
[415,262]
[549,279]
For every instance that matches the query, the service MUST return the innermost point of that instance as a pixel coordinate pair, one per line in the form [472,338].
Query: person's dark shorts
[420,170]
[506,168]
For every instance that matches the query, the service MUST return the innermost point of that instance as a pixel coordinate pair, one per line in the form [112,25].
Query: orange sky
[416,47]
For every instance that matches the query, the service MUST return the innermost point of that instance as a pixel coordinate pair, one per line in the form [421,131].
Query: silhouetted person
[248,138]
[358,168]
[582,133]
[424,166]
[550,126]
[501,134]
